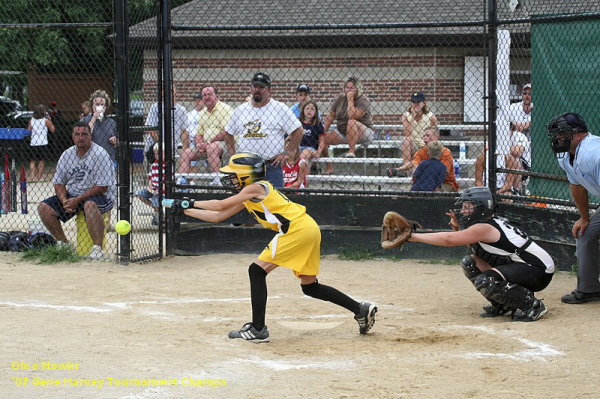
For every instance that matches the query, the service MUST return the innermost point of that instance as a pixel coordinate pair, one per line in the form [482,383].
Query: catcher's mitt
[396,230]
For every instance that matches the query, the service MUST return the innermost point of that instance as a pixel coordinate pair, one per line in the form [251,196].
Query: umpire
[578,153]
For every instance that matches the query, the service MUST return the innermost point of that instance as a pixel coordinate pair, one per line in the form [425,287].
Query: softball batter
[296,246]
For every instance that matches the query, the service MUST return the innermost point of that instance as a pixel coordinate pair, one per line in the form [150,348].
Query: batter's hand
[579,227]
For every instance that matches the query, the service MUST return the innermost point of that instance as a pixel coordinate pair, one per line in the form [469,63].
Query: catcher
[505,265]
[296,245]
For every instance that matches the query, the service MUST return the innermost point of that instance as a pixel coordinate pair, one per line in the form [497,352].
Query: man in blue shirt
[578,153]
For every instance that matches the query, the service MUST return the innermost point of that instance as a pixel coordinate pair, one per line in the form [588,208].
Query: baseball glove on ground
[396,230]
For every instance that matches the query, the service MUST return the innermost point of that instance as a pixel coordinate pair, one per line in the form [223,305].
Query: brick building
[444,59]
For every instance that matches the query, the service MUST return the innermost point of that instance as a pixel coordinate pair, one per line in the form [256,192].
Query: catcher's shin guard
[504,292]
[470,268]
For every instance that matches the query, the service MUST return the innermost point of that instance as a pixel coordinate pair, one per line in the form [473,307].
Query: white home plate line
[536,350]
[281,365]
[40,305]
[115,306]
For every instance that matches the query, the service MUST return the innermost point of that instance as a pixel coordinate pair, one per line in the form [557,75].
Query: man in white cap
[260,127]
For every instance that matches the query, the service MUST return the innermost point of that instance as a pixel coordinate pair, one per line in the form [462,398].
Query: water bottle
[387,136]
[330,154]
[462,152]
[456,167]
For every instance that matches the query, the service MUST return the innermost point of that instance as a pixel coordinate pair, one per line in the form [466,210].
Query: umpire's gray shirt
[79,174]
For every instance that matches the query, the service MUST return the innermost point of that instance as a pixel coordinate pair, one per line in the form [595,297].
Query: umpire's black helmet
[564,125]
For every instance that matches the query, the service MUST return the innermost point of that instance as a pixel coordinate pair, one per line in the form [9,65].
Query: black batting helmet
[41,240]
[18,241]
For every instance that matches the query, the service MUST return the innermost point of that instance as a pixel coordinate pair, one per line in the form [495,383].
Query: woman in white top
[39,126]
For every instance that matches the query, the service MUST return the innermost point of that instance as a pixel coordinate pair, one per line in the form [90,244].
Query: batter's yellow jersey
[297,244]
[276,211]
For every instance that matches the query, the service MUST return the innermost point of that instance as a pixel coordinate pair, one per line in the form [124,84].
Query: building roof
[285,23]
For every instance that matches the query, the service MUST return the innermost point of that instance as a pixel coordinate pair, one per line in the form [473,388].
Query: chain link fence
[58,84]
[540,74]
[337,99]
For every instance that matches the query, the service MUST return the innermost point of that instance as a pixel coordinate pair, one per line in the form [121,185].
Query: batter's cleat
[495,309]
[535,312]
[249,333]
[580,297]
[366,317]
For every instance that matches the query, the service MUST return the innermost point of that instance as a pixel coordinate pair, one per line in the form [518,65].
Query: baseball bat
[13,188]
[24,210]
[168,203]
[6,187]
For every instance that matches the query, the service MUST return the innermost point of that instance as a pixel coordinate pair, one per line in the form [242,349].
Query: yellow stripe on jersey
[297,245]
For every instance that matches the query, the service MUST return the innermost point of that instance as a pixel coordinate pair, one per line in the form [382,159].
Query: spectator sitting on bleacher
[179,127]
[415,121]
[84,181]
[352,112]
[303,96]
[313,140]
[208,137]
[193,116]
[431,135]
[520,113]
[295,170]
[149,195]
[518,158]
[430,173]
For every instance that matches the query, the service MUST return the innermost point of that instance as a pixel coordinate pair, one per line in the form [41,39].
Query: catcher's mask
[561,129]
[243,169]
[481,206]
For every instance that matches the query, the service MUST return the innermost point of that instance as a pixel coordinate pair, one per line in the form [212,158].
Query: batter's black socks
[330,294]
[258,295]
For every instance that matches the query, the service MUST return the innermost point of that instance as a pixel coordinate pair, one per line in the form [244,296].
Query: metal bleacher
[367,171]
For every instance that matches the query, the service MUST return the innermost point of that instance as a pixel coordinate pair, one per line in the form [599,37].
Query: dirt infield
[159,330]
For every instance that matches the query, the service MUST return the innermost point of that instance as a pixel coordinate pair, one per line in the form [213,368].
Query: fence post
[168,134]
[122,67]
[492,106]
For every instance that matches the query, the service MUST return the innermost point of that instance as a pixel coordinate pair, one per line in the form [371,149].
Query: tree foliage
[63,50]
